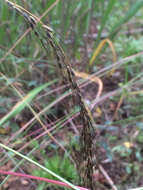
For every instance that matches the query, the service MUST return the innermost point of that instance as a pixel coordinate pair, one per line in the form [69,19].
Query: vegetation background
[102,39]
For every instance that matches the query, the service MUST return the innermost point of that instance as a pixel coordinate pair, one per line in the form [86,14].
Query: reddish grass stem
[55,182]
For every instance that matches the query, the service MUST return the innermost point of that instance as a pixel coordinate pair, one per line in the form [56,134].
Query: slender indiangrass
[45,34]
[73,27]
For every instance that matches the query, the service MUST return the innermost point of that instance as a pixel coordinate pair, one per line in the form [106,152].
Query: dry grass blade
[93,79]
[107,177]
[99,48]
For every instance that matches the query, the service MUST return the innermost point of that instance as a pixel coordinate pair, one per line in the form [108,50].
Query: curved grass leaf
[24,102]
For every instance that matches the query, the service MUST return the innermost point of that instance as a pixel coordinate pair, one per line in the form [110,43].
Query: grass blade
[131,12]
[24,102]
[40,166]
[139,188]
[105,18]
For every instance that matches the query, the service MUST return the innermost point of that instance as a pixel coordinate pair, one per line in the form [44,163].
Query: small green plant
[61,166]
